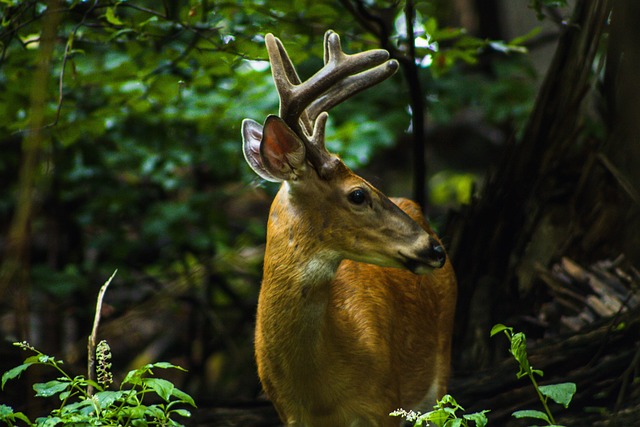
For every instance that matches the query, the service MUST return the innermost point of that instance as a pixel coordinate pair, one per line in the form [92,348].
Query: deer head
[342,214]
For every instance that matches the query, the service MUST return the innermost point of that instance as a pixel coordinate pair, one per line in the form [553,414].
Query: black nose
[438,255]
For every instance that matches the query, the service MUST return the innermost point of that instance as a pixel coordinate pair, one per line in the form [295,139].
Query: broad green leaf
[161,386]
[560,393]
[531,413]
[154,411]
[479,418]
[7,414]
[22,417]
[33,359]
[183,397]
[107,398]
[134,412]
[133,377]
[92,383]
[48,422]
[14,373]
[84,407]
[50,388]
[438,417]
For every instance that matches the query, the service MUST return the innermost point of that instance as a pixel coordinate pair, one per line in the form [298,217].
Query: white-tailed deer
[357,301]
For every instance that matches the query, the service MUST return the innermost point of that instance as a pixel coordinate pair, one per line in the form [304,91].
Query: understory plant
[444,414]
[140,400]
[561,393]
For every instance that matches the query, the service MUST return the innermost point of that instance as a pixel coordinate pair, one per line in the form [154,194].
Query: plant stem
[91,346]
[541,397]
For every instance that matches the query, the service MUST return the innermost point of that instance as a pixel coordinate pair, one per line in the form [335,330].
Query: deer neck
[299,272]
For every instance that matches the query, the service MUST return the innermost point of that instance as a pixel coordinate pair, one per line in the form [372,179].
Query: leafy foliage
[444,414]
[129,405]
[560,393]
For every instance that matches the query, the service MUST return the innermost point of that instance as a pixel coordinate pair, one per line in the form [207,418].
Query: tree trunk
[533,207]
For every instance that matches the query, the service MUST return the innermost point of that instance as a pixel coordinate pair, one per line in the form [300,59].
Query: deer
[355,310]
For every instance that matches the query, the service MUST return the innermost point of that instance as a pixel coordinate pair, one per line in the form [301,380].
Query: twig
[65,57]
[418,115]
[91,347]
[627,377]
[624,183]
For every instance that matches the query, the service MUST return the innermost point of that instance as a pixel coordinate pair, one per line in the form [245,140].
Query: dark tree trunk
[532,206]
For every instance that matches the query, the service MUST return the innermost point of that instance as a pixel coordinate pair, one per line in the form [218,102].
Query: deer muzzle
[426,259]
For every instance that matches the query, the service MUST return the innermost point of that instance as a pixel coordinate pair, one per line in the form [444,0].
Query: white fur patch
[320,269]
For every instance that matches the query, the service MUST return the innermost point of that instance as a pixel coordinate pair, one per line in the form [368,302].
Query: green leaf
[531,413]
[438,417]
[526,37]
[182,413]
[33,359]
[166,365]
[5,410]
[537,372]
[136,412]
[22,417]
[560,393]
[479,418]
[134,377]
[7,414]
[107,398]
[499,328]
[82,408]
[48,422]
[111,17]
[162,387]
[154,411]
[50,388]
[447,399]
[15,372]
[183,397]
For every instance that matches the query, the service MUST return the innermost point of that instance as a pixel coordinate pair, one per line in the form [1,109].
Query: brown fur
[341,342]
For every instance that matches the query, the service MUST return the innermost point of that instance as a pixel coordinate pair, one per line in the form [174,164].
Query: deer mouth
[426,261]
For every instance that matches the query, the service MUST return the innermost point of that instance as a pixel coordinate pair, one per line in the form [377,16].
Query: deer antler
[304,106]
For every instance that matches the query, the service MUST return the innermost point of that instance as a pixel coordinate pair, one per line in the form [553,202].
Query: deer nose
[433,255]
[437,255]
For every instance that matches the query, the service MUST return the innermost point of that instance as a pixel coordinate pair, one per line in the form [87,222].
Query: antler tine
[353,84]
[303,106]
[286,80]
[295,96]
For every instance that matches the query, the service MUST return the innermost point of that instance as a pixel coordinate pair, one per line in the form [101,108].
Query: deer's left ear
[274,151]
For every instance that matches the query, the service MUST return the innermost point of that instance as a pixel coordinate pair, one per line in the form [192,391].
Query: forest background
[513,122]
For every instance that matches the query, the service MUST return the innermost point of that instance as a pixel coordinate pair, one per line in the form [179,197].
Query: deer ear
[274,151]
[251,140]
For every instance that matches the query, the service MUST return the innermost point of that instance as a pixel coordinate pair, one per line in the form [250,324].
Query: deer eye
[357,196]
